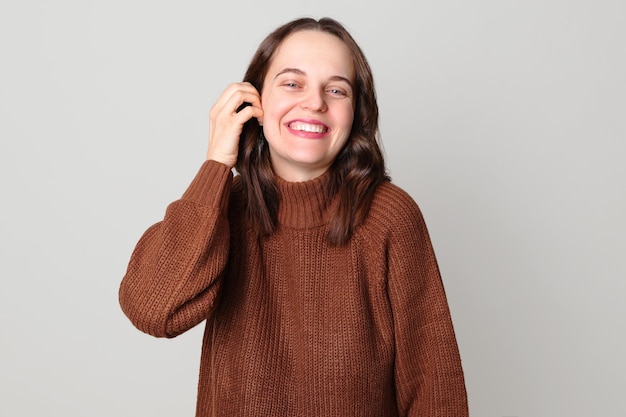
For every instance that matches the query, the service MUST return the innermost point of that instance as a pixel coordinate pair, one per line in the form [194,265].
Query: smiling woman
[314,273]
[308,104]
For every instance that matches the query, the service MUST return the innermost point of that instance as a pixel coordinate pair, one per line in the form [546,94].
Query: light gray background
[505,120]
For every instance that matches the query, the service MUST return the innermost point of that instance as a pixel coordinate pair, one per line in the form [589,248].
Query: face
[308,104]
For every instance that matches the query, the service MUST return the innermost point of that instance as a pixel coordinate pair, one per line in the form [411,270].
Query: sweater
[296,326]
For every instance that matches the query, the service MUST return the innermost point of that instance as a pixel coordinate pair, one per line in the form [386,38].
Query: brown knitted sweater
[294,325]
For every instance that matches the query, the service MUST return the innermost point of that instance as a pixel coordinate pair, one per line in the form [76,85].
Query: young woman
[314,273]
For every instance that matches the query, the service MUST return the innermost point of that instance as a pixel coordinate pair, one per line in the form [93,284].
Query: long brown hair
[358,169]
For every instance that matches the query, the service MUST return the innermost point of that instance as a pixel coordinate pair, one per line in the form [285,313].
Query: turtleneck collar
[303,204]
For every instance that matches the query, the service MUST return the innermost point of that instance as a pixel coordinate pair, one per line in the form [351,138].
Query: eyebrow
[300,72]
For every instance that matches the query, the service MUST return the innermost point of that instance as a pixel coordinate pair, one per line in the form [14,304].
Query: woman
[315,274]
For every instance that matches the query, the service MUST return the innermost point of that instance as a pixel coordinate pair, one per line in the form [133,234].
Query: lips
[308,127]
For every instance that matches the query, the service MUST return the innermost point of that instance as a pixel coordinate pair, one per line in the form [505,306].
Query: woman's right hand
[226,124]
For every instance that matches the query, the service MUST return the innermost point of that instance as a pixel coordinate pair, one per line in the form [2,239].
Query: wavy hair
[358,168]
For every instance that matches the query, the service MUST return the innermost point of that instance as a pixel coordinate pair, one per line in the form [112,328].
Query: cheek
[272,118]
[344,121]
[346,117]
[273,114]
[274,107]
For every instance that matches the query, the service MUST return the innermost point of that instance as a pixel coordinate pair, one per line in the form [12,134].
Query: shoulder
[394,207]
[394,219]
[394,225]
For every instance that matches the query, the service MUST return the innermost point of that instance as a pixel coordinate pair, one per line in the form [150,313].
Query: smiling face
[308,104]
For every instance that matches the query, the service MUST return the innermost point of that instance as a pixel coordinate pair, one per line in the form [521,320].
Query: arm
[174,274]
[428,373]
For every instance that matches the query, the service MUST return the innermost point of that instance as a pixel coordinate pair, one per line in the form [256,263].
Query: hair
[358,168]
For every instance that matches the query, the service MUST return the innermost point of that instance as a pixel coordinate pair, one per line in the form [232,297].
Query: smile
[308,127]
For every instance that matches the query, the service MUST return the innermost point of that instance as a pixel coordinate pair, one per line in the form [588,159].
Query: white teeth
[306,127]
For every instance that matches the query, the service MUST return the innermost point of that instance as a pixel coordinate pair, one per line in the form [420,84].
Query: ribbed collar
[303,204]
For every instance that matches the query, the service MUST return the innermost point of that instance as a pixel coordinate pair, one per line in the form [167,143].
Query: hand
[226,123]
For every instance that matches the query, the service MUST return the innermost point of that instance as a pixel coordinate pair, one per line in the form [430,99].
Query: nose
[314,100]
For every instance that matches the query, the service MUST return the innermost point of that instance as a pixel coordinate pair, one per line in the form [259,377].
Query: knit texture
[296,326]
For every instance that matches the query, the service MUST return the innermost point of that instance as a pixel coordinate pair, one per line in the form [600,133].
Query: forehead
[314,52]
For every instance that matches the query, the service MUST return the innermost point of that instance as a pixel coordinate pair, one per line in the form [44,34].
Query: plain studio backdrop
[505,120]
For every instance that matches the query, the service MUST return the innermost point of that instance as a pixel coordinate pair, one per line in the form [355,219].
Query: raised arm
[174,274]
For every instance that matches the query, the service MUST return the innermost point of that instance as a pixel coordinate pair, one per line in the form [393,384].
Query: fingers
[238,103]
[232,99]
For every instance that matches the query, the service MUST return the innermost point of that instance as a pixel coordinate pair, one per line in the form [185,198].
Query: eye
[290,84]
[338,92]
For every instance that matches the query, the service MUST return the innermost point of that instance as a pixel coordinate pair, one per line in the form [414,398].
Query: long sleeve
[428,373]
[174,275]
